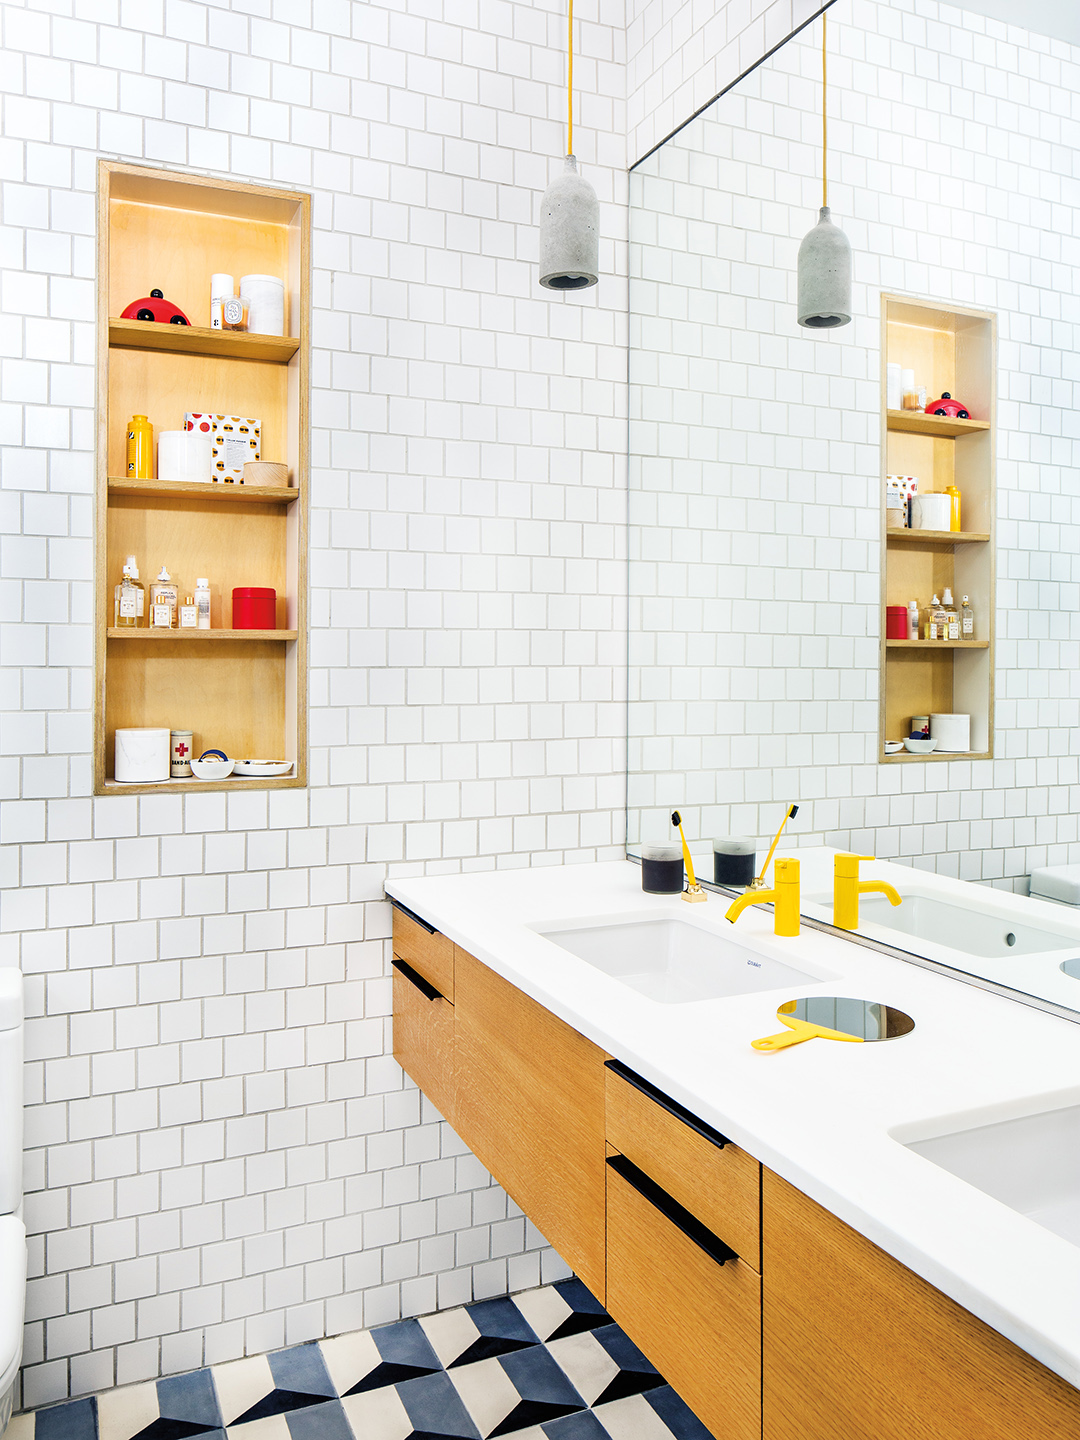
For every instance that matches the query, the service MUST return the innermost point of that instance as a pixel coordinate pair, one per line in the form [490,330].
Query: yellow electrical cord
[570,82]
[824,120]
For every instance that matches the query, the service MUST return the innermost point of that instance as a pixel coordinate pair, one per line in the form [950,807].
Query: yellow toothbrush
[693,891]
[759,883]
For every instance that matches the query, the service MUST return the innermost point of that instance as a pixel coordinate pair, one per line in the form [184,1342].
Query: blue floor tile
[74,1421]
[435,1409]
[320,1422]
[190,1397]
[677,1415]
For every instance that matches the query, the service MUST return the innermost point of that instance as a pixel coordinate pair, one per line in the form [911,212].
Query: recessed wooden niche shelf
[950,349]
[242,691]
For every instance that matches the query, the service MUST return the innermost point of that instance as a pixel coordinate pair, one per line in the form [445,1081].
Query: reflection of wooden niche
[240,691]
[950,350]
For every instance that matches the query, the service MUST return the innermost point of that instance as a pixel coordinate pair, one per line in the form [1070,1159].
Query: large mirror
[756,472]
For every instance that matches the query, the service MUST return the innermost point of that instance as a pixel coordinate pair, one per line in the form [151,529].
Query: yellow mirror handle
[785,1038]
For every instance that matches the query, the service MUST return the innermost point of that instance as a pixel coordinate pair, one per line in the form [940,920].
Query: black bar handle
[415,978]
[413,916]
[666,1103]
[680,1217]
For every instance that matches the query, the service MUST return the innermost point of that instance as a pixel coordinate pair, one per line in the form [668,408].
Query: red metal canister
[896,622]
[254,607]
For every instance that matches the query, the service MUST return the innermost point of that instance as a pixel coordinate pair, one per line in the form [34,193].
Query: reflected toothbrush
[693,891]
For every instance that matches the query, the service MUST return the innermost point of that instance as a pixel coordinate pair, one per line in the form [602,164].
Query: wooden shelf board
[264,494]
[196,340]
[915,422]
[146,633]
[906,758]
[937,537]
[928,644]
[231,782]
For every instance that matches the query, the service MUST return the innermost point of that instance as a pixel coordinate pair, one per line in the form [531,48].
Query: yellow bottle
[954,517]
[140,448]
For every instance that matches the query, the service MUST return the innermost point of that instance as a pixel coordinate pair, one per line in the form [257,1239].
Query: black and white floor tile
[547,1364]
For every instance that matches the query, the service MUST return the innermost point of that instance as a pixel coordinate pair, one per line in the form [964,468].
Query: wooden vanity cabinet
[530,1106]
[424,1010]
[857,1345]
[769,1316]
[683,1252]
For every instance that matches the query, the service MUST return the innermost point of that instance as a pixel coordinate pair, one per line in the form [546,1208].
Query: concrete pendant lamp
[569,211]
[825,253]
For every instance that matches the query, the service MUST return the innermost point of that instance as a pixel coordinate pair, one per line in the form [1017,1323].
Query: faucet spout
[784,896]
[880,887]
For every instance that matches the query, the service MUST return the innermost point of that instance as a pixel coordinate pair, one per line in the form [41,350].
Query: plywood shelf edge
[198,340]
[188,636]
[937,537]
[915,422]
[169,489]
[932,646]
[174,787]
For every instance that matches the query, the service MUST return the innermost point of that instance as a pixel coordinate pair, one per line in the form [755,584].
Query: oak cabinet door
[855,1344]
[530,1106]
[687,1300]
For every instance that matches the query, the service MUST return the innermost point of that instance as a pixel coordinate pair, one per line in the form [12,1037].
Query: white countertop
[820,1114]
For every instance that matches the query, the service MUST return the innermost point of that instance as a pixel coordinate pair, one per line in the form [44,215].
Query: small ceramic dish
[212,765]
[892,746]
[262,768]
[920,747]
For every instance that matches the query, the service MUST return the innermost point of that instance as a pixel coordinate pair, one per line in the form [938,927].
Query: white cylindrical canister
[894,392]
[222,287]
[184,455]
[265,296]
[952,732]
[931,512]
[141,756]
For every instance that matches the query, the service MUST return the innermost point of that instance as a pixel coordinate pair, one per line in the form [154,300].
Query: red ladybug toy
[947,406]
[155,307]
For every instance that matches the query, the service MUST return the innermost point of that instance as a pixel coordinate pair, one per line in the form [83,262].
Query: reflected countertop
[824,1116]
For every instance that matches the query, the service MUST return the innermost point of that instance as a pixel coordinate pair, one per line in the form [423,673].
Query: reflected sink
[974,932]
[673,960]
[1031,1164]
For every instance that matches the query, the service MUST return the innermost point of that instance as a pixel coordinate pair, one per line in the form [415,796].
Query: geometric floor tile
[547,1364]
[478,1332]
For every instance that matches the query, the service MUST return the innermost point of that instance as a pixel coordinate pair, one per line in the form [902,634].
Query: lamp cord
[824,121]
[570,82]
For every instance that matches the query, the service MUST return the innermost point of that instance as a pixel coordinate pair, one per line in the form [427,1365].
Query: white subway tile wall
[222,1155]
[954,147]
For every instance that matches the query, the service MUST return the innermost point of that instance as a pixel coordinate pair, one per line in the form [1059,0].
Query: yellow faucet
[784,895]
[847,887]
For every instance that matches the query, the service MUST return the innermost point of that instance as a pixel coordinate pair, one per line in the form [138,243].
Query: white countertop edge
[1015,1275]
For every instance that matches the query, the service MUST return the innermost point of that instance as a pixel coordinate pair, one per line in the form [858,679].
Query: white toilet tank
[12,1233]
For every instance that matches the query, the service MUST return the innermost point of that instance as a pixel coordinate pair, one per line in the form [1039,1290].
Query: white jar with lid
[265,298]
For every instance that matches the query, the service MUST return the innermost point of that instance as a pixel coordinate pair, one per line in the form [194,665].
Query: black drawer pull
[666,1103]
[681,1218]
[413,916]
[415,978]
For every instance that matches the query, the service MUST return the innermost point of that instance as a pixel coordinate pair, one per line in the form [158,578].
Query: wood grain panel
[697,1321]
[430,953]
[231,544]
[721,1187]
[231,696]
[857,1345]
[531,1108]
[424,1042]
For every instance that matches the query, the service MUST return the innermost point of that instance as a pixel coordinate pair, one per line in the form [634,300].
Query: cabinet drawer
[708,1175]
[428,952]
[424,1037]
[696,1319]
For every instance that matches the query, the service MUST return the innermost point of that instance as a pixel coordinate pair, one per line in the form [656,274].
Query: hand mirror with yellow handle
[832,1017]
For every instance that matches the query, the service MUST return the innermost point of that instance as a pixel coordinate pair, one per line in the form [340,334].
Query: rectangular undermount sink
[673,960]
[1031,1164]
[960,927]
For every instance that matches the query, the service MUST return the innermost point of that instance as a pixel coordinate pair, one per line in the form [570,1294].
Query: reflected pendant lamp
[825,252]
[569,211]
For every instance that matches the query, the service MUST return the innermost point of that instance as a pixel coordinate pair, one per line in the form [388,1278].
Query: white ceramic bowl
[892,746]
[212,769]
[917,747]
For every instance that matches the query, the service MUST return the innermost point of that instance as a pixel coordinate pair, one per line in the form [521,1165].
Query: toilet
[1060,883]
[12,1230]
